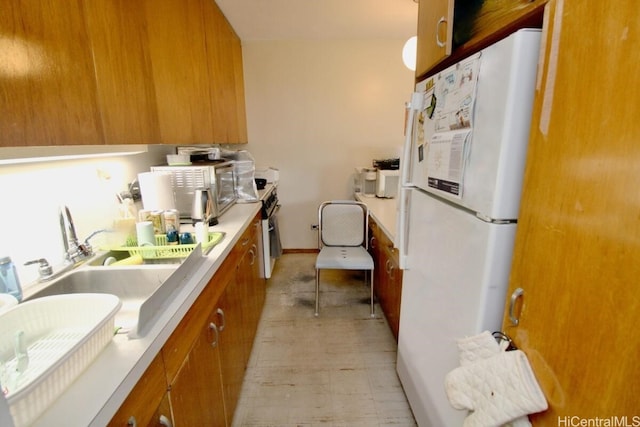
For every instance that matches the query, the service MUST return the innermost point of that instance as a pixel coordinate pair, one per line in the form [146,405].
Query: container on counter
[9,282]
[171,220]
[157,219]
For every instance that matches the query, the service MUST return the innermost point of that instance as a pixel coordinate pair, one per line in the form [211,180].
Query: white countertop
[96,395]
[384,211]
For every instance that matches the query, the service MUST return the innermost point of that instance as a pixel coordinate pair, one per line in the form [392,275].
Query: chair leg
[373,314]
[317,291]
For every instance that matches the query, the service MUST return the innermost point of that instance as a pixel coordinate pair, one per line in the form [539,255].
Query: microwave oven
[186,179]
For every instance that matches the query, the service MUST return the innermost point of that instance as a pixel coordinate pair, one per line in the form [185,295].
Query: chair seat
[345,258]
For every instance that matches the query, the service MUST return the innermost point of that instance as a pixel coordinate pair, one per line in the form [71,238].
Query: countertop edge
[384,211]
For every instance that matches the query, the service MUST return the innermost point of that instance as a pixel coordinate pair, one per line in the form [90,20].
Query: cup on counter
[186,238]
[145,233]
[202,232]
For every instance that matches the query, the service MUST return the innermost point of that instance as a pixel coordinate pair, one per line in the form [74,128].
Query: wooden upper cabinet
[180,73]
[47,81]
[126,95]
[119,72]
[226,76]
[193,49]
[449,31]
[435,29]
[241,112]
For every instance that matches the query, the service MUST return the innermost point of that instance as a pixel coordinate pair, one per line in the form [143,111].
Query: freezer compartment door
[494,153]
[454,286]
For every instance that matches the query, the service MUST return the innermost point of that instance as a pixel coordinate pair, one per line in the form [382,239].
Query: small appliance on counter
[387,164]
[199,154]
[388,182]
[218,176]
[202,209]
[365,181]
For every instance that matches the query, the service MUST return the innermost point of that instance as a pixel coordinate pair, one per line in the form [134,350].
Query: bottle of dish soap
[9,282]
[125,224]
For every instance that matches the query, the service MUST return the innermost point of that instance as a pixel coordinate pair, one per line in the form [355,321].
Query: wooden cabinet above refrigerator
[449,31]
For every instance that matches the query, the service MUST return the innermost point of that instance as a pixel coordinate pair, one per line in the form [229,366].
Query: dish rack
[162,250]
[63,334]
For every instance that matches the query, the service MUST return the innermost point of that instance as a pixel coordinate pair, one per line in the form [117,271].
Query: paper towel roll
[156,190]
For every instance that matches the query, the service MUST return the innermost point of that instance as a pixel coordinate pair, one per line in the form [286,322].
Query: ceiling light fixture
[409,53]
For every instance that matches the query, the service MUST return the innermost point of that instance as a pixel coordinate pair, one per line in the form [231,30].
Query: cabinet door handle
[216,334]
[245,241]
[512,306]
[220,312]
[388,267]
[253,251]
[164,421]
[372,243]
[438,41]
[132,422]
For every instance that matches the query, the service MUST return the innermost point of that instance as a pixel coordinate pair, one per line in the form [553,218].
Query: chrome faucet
[74,251]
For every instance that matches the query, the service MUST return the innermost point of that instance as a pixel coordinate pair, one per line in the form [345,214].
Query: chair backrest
[343,223]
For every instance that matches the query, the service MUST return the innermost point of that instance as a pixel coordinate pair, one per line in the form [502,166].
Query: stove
[271,246]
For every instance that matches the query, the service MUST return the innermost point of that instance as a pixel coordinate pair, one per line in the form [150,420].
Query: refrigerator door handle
[417,99]
[402,224]
[413,107]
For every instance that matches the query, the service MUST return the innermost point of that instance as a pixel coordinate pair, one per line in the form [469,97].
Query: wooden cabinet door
[163,416]
[47,81]
[250,272]
[435,30]
[387,275]
[577,250]
[393,288]
[375,249]
[224,54]
[126,94]
[145,400]
[180,72]
[196,393]
[232,345]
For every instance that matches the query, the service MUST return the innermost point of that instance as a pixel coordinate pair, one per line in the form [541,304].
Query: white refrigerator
[462,170]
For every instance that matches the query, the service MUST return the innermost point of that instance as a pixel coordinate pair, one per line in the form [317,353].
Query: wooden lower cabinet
[241,304]
[387,275]
[196,392]
[148,400]
[199,372]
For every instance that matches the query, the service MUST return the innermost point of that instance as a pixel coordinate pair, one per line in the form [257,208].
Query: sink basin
[133,285]
[46,343]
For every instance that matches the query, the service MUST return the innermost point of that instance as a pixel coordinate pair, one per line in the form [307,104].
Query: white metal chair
[342,240]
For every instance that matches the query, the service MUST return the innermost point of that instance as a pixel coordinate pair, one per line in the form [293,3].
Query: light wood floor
[334,370]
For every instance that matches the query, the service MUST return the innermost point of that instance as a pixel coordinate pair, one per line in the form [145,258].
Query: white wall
[316,109]
[33,192]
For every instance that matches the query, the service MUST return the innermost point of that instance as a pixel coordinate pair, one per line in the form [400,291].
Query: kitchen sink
[133,285]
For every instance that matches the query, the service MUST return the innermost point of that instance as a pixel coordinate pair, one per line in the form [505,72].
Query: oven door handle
[273,213]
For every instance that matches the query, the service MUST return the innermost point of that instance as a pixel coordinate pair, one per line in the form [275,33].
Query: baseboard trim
[300,251]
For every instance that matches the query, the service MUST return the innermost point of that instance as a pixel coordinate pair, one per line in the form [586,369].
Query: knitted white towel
[497,389]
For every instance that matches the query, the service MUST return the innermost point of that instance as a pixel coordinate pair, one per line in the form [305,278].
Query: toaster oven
[186,179]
